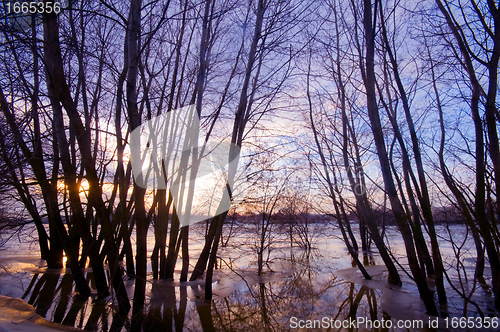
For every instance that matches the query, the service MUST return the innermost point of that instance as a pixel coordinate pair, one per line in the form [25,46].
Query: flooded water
[315,289]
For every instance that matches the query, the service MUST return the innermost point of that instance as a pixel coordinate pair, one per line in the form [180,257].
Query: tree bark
[57,77]
[480,201]
[423,193]
[390,188]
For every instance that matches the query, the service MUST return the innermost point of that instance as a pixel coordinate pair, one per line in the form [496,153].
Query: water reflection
[306,294]
[305,286]
[307,291]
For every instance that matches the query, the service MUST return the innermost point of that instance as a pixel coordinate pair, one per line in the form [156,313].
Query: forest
[141,140]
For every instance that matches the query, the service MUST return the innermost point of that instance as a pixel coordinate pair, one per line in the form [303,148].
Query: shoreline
[17,315]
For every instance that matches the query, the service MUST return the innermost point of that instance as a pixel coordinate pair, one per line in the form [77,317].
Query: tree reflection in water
[306,292]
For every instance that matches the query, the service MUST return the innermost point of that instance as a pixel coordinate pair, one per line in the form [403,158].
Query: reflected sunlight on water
[297,283]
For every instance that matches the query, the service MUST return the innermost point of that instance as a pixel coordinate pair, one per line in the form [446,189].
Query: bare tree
[390,188]
[467,57]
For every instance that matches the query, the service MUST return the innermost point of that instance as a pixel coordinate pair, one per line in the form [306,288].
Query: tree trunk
[353,254]
[133,43]
[184,236]
[80,227]
[480,201]
[494,147]
[57,78]
[423,193]
[56,226]
[213,238]
[369,82]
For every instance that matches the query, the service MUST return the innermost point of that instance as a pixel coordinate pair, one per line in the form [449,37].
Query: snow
[17,315]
